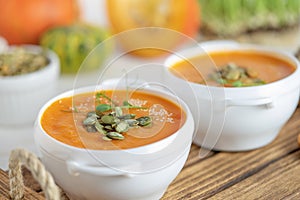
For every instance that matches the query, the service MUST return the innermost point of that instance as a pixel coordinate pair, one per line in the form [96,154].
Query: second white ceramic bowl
[22,96]
[237,119]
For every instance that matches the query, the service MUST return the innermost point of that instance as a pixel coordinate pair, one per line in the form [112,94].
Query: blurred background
[72,28]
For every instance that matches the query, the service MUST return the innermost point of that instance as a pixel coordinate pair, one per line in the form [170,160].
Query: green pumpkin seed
[92,114]
[122,127]
[236,76]
[132,122]
[144,121]
[91,129]
[115,135]
[108,128]
[233,74]
[106,138]
[89,121]
[107,119]
[99,128]
[113,124]
[118,111]
[127,116]
[251,73]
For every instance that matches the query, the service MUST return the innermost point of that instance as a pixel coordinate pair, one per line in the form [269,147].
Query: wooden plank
[279,180]
[224,175]
[205,178]
[29,194]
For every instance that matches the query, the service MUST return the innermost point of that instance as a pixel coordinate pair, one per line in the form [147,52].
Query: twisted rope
[31,162]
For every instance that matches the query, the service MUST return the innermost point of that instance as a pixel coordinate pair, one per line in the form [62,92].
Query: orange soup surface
[63,120]
[199,69]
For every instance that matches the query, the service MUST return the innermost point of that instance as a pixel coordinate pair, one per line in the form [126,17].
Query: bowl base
[154,196]
[242,143]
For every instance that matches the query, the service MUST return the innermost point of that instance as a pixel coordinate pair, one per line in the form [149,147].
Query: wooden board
[271,172]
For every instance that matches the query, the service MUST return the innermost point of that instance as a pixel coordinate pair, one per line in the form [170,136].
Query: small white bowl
[237,119]
[22,96]
[3,44]
[138,173]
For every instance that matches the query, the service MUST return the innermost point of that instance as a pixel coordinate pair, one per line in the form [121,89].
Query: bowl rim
[222,45]
[139,149]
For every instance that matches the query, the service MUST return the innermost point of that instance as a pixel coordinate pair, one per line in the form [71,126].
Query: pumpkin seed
[21,61]
[233,74]
[108,128]
[118,111]
[91,129]
[115,135]
[122,127]
[106,138]
[251,73]
[236,76]
[99,128]
[89,121]
[107,119]
[127,116]
[112,124]
[144,121]
[92,114]
[132,122]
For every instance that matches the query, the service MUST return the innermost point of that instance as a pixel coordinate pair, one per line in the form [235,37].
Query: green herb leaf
[103,95]
[103,107]
[237,84]
[126,103]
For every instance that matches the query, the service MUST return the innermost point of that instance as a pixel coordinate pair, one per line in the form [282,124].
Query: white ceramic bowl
[138,173]
[3,44]
[22,96]
[237,119]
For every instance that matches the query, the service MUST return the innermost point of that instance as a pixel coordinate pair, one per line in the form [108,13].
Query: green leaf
[126,103]
[237,84]
[103,107]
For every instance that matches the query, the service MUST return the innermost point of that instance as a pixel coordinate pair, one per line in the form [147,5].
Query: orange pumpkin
[23,22]
[179,16]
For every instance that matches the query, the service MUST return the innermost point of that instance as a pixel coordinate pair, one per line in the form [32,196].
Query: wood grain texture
[270,172]
[279,180]
[223,174]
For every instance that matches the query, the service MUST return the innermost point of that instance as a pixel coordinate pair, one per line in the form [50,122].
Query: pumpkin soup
[108,120]
[233,68]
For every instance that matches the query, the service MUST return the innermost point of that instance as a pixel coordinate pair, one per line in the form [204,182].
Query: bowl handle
[267,102]
[75,169]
